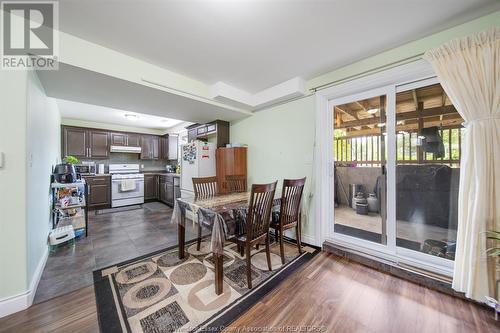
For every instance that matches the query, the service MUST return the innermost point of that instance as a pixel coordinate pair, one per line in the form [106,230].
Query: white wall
[30,142]
[13,272]
[43,152]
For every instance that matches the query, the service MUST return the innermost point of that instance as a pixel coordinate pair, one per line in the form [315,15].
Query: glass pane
[360,184]
[427,171]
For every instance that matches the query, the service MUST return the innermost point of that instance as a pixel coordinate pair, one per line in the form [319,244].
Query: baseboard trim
[22,301]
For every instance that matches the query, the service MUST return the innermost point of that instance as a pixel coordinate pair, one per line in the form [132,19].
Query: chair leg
[299,236]
[268,254]
[249,269]
[198,241]
[282,249]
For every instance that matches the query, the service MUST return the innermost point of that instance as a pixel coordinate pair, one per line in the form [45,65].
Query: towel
[127,185]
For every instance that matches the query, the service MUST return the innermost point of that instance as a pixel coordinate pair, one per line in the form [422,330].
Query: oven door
[121,191]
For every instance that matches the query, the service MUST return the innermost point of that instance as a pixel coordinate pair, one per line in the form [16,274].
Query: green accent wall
[280,145]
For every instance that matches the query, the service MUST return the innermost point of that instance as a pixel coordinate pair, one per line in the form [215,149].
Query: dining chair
[236,183]
[289,213]
[257,224]
[204,187]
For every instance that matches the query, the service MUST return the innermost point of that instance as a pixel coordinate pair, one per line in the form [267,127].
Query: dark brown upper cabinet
[168,146]
[74,142]
[150,147]
[125,139]
[85,143]
[98,144]
[217,129]
[133,139]
[119,139]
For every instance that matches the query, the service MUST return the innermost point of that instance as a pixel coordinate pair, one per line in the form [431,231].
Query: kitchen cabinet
[125,139]
[169,188]
[164,147]
[151,187]
[218,130]
[133,139]
[229,162]
[98,144]
[162,189]
[74,142]
[169,147]
[84,143]
[150,145]
[99,192]
[119,139]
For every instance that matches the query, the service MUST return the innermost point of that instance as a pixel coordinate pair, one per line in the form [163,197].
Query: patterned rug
[161,293]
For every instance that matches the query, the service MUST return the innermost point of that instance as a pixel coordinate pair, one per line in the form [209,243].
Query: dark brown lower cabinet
[99,192]
[150,187]
[162,189]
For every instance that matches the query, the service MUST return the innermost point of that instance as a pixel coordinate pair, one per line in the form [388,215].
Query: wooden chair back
[259,210]
[291,197]
[205,187]
[236,183]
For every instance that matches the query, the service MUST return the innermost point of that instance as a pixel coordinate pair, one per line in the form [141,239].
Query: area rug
[159,292]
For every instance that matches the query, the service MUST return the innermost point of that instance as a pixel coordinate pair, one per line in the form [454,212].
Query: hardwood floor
[331,293]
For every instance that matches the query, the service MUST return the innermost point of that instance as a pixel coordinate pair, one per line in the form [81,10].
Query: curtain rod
[368,72]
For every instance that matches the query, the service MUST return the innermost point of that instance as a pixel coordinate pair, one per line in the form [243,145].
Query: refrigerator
[197,160]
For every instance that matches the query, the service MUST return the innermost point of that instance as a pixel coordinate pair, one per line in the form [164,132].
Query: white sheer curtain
[469,71]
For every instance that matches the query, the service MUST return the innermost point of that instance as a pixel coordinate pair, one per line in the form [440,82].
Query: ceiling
[253,45]
[89,112]
[76,84]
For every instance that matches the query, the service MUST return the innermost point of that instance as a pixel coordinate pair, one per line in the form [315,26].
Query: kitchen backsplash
[134,158]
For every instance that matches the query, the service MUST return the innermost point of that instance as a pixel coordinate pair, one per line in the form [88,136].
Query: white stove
[127,185]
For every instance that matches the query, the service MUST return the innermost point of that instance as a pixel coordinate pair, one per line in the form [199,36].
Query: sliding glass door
[396,166]
[429,135]
[360,164]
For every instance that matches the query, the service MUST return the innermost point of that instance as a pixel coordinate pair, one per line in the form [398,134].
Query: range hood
[125,149]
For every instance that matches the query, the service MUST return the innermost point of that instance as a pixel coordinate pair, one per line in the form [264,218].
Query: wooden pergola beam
[415,98]
[431,112]
[349,112]
[408,126]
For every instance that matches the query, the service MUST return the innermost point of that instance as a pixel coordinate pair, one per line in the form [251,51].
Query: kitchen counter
[97,175]
[161,173]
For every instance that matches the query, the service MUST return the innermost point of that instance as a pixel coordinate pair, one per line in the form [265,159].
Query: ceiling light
[400,122]
[131,116]
[372,111]
[380,124]
[403,132]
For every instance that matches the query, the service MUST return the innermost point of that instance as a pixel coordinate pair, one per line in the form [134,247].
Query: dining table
[223,214]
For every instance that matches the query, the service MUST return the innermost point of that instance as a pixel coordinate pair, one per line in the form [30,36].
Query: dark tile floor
[113,237]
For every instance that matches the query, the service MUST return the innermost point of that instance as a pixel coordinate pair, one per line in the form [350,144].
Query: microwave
[86,168]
